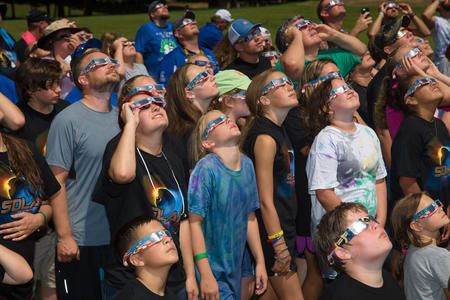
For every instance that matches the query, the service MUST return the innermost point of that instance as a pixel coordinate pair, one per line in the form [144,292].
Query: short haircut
[35,73]
[215,19]
[77,66]
[331,226]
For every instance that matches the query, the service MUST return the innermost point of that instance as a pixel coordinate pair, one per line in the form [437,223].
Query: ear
[190,96]
[228,102]
[238,47]
[416,226]
[343,254]
[324,13]
[264,100]
[387,50]
[208,145]
[83,80]
[177,34]
[410,100]
[136,261]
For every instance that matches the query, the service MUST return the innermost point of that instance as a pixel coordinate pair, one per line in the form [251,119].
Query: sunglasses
[151,90]
[412,53]
[148,241]
[147,102]
[428,211]
[201,78]
[418,84]
[339,91]
[128,43]
[212,125]
[203,63]
[158,6]
[276,83]
[321,79]
[271,54]
[186,22]
[333,3]
[392,5]
[303,24]
[100,62]
[251,35]
[239,95]
[350,232]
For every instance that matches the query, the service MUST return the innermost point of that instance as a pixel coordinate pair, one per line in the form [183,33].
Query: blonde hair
[218,103]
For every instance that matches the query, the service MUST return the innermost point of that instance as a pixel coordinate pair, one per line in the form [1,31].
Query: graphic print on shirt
[15,198]
[288,181]
[440,155]
[167,202]
[41,142]
[167,45]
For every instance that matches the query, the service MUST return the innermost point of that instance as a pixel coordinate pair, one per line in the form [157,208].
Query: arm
[293,59]
[139,58]
[188,261]
[13,118]
[376,26]
[17,270]
[409,185]
[386,143]
[422,29]
[361,24]
[328,199]
[209,288]
[67,248]
[254,243]
[381,191]
[428,14]
[345,41]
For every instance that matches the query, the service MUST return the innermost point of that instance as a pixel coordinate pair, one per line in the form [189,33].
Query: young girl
[202,61]
[222,199]
[416,220]
[345,162]
[270,96]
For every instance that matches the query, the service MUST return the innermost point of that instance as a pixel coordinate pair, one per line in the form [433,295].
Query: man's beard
[164,17]
[107,84]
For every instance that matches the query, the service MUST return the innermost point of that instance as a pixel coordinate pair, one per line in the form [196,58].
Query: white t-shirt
[441,37]
[349,163]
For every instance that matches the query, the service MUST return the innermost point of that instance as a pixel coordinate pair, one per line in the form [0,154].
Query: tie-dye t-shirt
[224,198]
[349,163]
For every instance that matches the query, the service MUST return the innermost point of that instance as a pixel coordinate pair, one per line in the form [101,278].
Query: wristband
[271,237]
[381,13]
[412,15]
[273,241]
[200,256]
[45,217]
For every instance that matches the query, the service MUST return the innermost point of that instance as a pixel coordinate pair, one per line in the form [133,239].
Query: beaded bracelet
[200,256]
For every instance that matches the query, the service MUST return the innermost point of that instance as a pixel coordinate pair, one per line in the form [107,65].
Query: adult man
[211,34]
[247,41]
[37,21]
[440,32]
[76,142]
[155,38]
[186,32]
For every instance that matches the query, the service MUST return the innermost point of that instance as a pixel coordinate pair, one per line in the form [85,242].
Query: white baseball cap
[224,14]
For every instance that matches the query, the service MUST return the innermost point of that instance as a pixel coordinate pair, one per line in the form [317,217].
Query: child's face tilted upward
[435,220]
[225,133]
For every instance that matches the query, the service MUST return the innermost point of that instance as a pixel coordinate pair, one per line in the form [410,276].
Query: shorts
[44,260]
[302,243]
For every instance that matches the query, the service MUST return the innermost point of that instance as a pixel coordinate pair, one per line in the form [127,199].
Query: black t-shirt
[421,150]
[135,290]
[249,69]
[2,273]
[363,109]
[373,89]
[20,47]
[124,202]
[346,288]
[37,124]
[296,131]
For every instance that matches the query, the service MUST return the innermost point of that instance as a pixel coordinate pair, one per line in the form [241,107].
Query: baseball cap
[387,35]
[228,80]
[51,30]
[240,28]
[36,15]
[224,14]
[79,51]
[188,14]
[152,6]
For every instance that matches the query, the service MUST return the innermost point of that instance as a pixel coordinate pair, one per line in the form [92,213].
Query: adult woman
[143,175]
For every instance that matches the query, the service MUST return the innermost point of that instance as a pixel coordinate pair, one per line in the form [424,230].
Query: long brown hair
[182,114]
[225,52]
[23,164]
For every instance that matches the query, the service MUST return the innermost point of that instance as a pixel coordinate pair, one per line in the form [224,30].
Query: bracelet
[45,217]
[381,13]
[283,257]
[272,242]
[412,15]
[271,237]
[200,256]
[281,250]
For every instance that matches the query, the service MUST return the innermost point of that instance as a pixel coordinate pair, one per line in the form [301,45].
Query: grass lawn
[270,16]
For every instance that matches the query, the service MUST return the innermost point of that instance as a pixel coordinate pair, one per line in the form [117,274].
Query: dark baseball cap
[387,35]
[36,15]
[152,6]
[188,14]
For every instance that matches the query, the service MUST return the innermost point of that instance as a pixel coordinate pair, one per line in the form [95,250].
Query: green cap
[231,79]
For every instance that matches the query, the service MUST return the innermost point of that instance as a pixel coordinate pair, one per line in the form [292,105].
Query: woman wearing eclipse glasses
[144,174]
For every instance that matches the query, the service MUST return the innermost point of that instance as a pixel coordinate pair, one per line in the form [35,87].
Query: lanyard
[188,54]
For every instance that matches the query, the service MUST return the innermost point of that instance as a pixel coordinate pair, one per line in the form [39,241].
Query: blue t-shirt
[210,35]
[154,42]
[8,89]
[75,95]
[224,198]
[176,59]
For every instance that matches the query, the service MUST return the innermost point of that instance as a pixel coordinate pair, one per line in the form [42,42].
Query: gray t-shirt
[427,271]
[139,69]
[77,139]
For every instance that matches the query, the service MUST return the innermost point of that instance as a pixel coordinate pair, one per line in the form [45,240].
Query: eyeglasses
[350,232]
[212,125]
[321,79]
[401,33]
[276,83]
[251,35]
[148,241]
[203,63]
[186,22]
[271,54]
[100,62]
[333,3]
[239,95]
[428,211]
[339,91]
[418,84]
[147,102]
[303,24]
[201,78]
[151,90]
[128,43]
[392,5]
[412,53]
[160,5]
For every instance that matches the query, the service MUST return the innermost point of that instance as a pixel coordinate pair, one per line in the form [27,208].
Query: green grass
[270,16]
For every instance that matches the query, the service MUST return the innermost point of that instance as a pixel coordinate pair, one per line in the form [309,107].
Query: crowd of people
[207,163]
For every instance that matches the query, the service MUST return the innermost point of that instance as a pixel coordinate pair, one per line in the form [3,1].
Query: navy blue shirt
[210,35]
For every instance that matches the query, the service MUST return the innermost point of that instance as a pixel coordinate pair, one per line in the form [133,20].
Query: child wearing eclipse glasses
[417,220]
[356,245]
[146,246]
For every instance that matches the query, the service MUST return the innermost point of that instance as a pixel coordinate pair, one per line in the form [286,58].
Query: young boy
[354,244]
[146,246]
